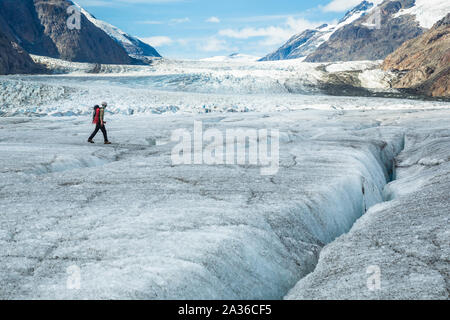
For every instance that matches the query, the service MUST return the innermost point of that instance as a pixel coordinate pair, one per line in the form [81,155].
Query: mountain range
[405,31]
[370,31]
[40,28]
[423,63]
[132,45]
[305,43]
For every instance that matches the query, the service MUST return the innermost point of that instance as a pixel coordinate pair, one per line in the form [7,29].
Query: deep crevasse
[209,233]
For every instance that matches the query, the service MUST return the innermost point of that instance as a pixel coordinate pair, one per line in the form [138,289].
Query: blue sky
[194,29]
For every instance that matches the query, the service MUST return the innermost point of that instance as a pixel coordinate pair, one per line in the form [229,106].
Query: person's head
[104,104]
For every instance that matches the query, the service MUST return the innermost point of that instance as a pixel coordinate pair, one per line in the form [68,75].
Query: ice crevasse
[257,249]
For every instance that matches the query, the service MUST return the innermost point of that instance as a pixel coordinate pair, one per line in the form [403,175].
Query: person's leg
[105,134]
[97,127]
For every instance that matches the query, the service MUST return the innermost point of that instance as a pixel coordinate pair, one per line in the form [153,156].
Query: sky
[195,29]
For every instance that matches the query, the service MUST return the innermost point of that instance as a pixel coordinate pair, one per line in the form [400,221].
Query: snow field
[406,238]
[137,227]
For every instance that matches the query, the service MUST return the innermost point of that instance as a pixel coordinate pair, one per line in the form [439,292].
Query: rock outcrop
[13,59]
[370,31]
[305,43]
[132,45]
[40,28]
[367,39]
[424,62]
[298,46]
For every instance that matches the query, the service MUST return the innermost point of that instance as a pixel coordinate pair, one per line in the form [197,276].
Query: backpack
[95,112]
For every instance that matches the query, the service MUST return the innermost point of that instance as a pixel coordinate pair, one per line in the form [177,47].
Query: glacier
[170,86]
[353,171]
[406,238]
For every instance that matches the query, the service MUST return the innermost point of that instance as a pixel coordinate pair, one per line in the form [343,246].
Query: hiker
[98,120]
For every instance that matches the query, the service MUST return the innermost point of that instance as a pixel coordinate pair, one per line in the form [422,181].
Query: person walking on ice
[98,120]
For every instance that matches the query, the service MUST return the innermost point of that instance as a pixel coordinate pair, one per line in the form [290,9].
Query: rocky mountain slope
[13,59]
[132,45]
[40,28]
[370,31]
[362,40]
[424,62]
[306,42]
[299,46]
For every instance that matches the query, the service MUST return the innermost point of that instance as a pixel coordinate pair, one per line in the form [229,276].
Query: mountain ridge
[40,27]
[424,62]
[362,41]
[305,43]
[135,47]
[356,37]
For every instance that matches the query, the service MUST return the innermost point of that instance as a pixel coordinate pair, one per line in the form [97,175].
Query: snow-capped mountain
[380,32]
[235,57]
[427,12]
[303,44]
[40,28]
[132,45]
[299,46]
[357,37]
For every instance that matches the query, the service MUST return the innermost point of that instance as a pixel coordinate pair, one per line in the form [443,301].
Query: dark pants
[99,127]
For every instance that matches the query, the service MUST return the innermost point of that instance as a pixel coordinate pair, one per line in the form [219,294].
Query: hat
[104,104]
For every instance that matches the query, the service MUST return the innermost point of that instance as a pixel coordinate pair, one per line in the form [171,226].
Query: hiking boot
[91,141]
[107,142]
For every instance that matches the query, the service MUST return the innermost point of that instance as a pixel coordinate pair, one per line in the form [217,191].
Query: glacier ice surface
[138,227]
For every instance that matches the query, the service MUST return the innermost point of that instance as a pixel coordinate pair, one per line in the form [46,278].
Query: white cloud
[93,3]
[251,32]
[214,45]
[265,18]
[179,20]
[104,3]
[158,41]
[341,5]
[149,22]
[272,35]
[150,1]
[213,20]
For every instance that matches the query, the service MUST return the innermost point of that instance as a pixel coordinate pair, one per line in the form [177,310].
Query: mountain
[132,45]
[298,46]
[306,42]
[13,59]
[235,57]
[40,27]
[399,21]
[370,31]
[424,62]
